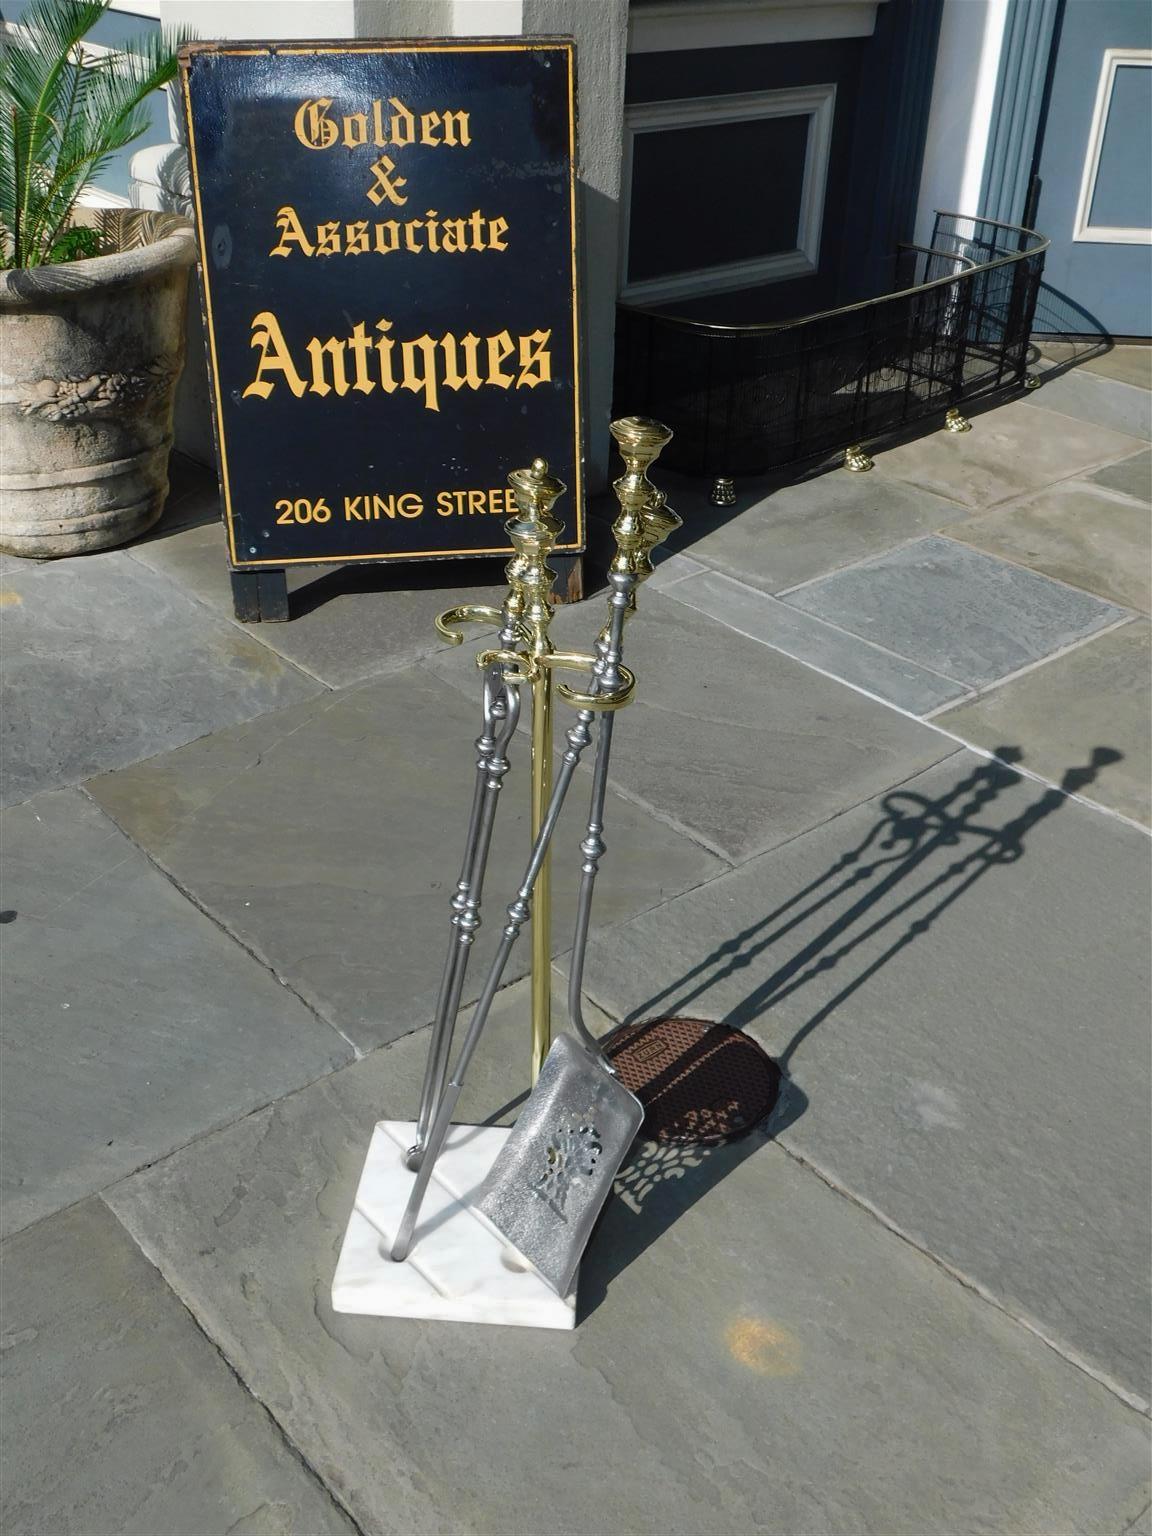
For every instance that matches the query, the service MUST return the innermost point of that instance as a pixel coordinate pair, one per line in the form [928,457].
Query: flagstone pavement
[882,802]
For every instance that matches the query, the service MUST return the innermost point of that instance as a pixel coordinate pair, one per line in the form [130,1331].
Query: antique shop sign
[388,248]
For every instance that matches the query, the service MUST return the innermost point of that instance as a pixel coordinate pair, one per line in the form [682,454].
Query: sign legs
[569,584]
[260,597]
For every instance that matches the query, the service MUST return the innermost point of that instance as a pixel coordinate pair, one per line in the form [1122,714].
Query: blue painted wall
[1111,285]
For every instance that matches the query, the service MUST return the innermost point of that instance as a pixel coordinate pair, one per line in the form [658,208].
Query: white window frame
[1083,231]
[815,102]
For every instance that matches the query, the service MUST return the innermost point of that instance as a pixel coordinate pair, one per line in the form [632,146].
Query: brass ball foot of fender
[956,421]
[857,460]
[1031,381]
[723,493]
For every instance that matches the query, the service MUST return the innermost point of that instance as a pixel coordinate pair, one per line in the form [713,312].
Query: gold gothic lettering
[268,339]
[423,365]
[433,233]
[316,128]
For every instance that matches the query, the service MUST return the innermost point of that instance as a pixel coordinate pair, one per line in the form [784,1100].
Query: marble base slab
[459,1268]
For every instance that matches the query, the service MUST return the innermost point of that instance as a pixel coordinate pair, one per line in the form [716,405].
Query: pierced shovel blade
[555,1171]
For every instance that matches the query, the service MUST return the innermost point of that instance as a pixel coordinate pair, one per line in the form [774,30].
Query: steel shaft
[501,713]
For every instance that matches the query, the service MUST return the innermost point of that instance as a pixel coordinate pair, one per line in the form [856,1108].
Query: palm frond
[61,119]
[131,229]
[37,50]
[34,73]
[87,151]
[10,162]
[33,219]
[122,80]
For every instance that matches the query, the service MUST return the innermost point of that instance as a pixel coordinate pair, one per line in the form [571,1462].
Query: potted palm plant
[91,313]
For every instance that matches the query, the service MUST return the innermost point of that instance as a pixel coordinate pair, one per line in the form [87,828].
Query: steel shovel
[556,1170]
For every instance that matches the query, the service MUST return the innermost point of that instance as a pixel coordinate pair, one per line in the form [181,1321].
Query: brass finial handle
[533,533]
[642,437]
[644,521]
[535,491]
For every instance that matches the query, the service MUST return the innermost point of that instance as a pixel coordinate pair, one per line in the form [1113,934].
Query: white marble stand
[459,1268]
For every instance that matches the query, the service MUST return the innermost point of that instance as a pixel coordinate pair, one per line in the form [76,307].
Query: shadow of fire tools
[926,852]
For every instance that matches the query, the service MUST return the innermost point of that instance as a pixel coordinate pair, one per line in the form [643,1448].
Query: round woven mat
[698,1082]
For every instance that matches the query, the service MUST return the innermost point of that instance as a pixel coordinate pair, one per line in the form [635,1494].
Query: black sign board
[388,250]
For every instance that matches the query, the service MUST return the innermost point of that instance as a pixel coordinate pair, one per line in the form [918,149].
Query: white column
[600,28]
[960,118]
[487,18]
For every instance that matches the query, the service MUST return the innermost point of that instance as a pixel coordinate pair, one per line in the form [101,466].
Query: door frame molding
[1029,40]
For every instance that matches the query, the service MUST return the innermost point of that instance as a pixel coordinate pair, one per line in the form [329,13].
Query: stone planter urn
[90,354]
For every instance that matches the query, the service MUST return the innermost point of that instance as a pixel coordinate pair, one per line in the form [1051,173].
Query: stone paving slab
[106,663]
[1095,697]
[800,530]
[739,745]
[348,623]
[1129,363]
[671,569]
[328,839]
[131,1023]
[1088,395]
[1089,538]
[956,610]
[821,645]
[120,1417]
[756,1353]
[1132,477]
[964,1017]
[1010,450]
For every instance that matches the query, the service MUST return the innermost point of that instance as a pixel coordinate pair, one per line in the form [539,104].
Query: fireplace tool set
[553,1174]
